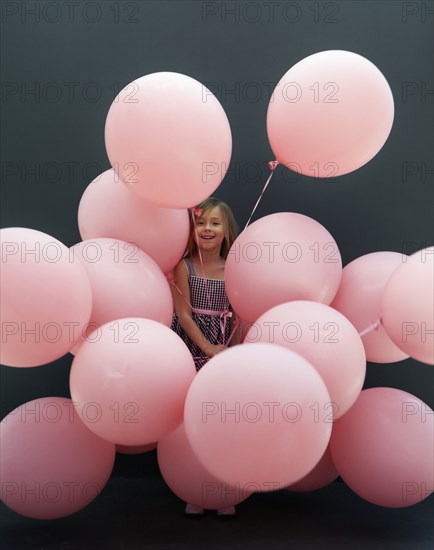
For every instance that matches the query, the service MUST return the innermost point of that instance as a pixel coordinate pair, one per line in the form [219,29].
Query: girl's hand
[214,349]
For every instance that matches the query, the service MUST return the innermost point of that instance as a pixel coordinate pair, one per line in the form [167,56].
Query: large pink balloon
[322,475]
[408,306]
[383,448]
[169,139]
[190,480]
[329,114]
[326,339]
[280,258]
[109,209]
[129,385]
[125,281]
[45,298]
[255,415]
[135,449]
[51,464]
[359,299]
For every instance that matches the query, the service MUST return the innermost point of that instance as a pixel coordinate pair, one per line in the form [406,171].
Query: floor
[142,513]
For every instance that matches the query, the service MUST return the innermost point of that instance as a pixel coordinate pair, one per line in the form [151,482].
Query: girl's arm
[184,313]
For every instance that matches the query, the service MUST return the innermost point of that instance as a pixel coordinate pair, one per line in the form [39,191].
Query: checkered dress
[210,295]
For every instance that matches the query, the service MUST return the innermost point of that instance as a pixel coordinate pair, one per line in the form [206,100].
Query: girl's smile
[210,230]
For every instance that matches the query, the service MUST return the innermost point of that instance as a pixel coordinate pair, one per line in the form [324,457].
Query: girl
[202,315]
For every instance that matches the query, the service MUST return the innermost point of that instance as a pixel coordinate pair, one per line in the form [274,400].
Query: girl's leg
[229,511]
[192,510]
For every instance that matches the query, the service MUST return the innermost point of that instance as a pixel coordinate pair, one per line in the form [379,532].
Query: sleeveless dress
[210,312]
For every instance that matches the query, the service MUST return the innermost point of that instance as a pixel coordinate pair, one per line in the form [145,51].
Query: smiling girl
[202,310]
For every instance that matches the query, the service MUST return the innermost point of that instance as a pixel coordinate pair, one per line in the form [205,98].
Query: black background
[64,62]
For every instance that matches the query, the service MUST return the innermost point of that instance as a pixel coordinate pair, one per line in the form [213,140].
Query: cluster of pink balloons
[107,299]
[285,409]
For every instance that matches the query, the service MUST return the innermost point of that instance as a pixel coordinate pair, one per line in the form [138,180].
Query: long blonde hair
[228,220]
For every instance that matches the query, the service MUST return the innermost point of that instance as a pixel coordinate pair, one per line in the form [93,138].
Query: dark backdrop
[64,62]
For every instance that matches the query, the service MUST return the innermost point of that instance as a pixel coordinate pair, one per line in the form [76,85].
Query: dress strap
[190,267]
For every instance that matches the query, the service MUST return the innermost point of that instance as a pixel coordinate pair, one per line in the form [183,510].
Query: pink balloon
[408,306]
[135,449]
[383,448]
[329,114]
[129,385]
[322,475]
[109,209]
[125,281]
[189,479]
[51,464]
[243,328]
[45,298]
[169,139]
[280,258]
[254,416]
[359,299]
[326,339]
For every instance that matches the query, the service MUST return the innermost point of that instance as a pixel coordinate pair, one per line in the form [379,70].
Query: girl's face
[210,230]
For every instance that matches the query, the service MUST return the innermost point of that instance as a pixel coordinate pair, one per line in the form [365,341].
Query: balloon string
[172,282]
[370,328]
[272,165]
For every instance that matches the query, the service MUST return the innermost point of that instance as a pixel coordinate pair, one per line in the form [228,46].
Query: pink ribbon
[224,315]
